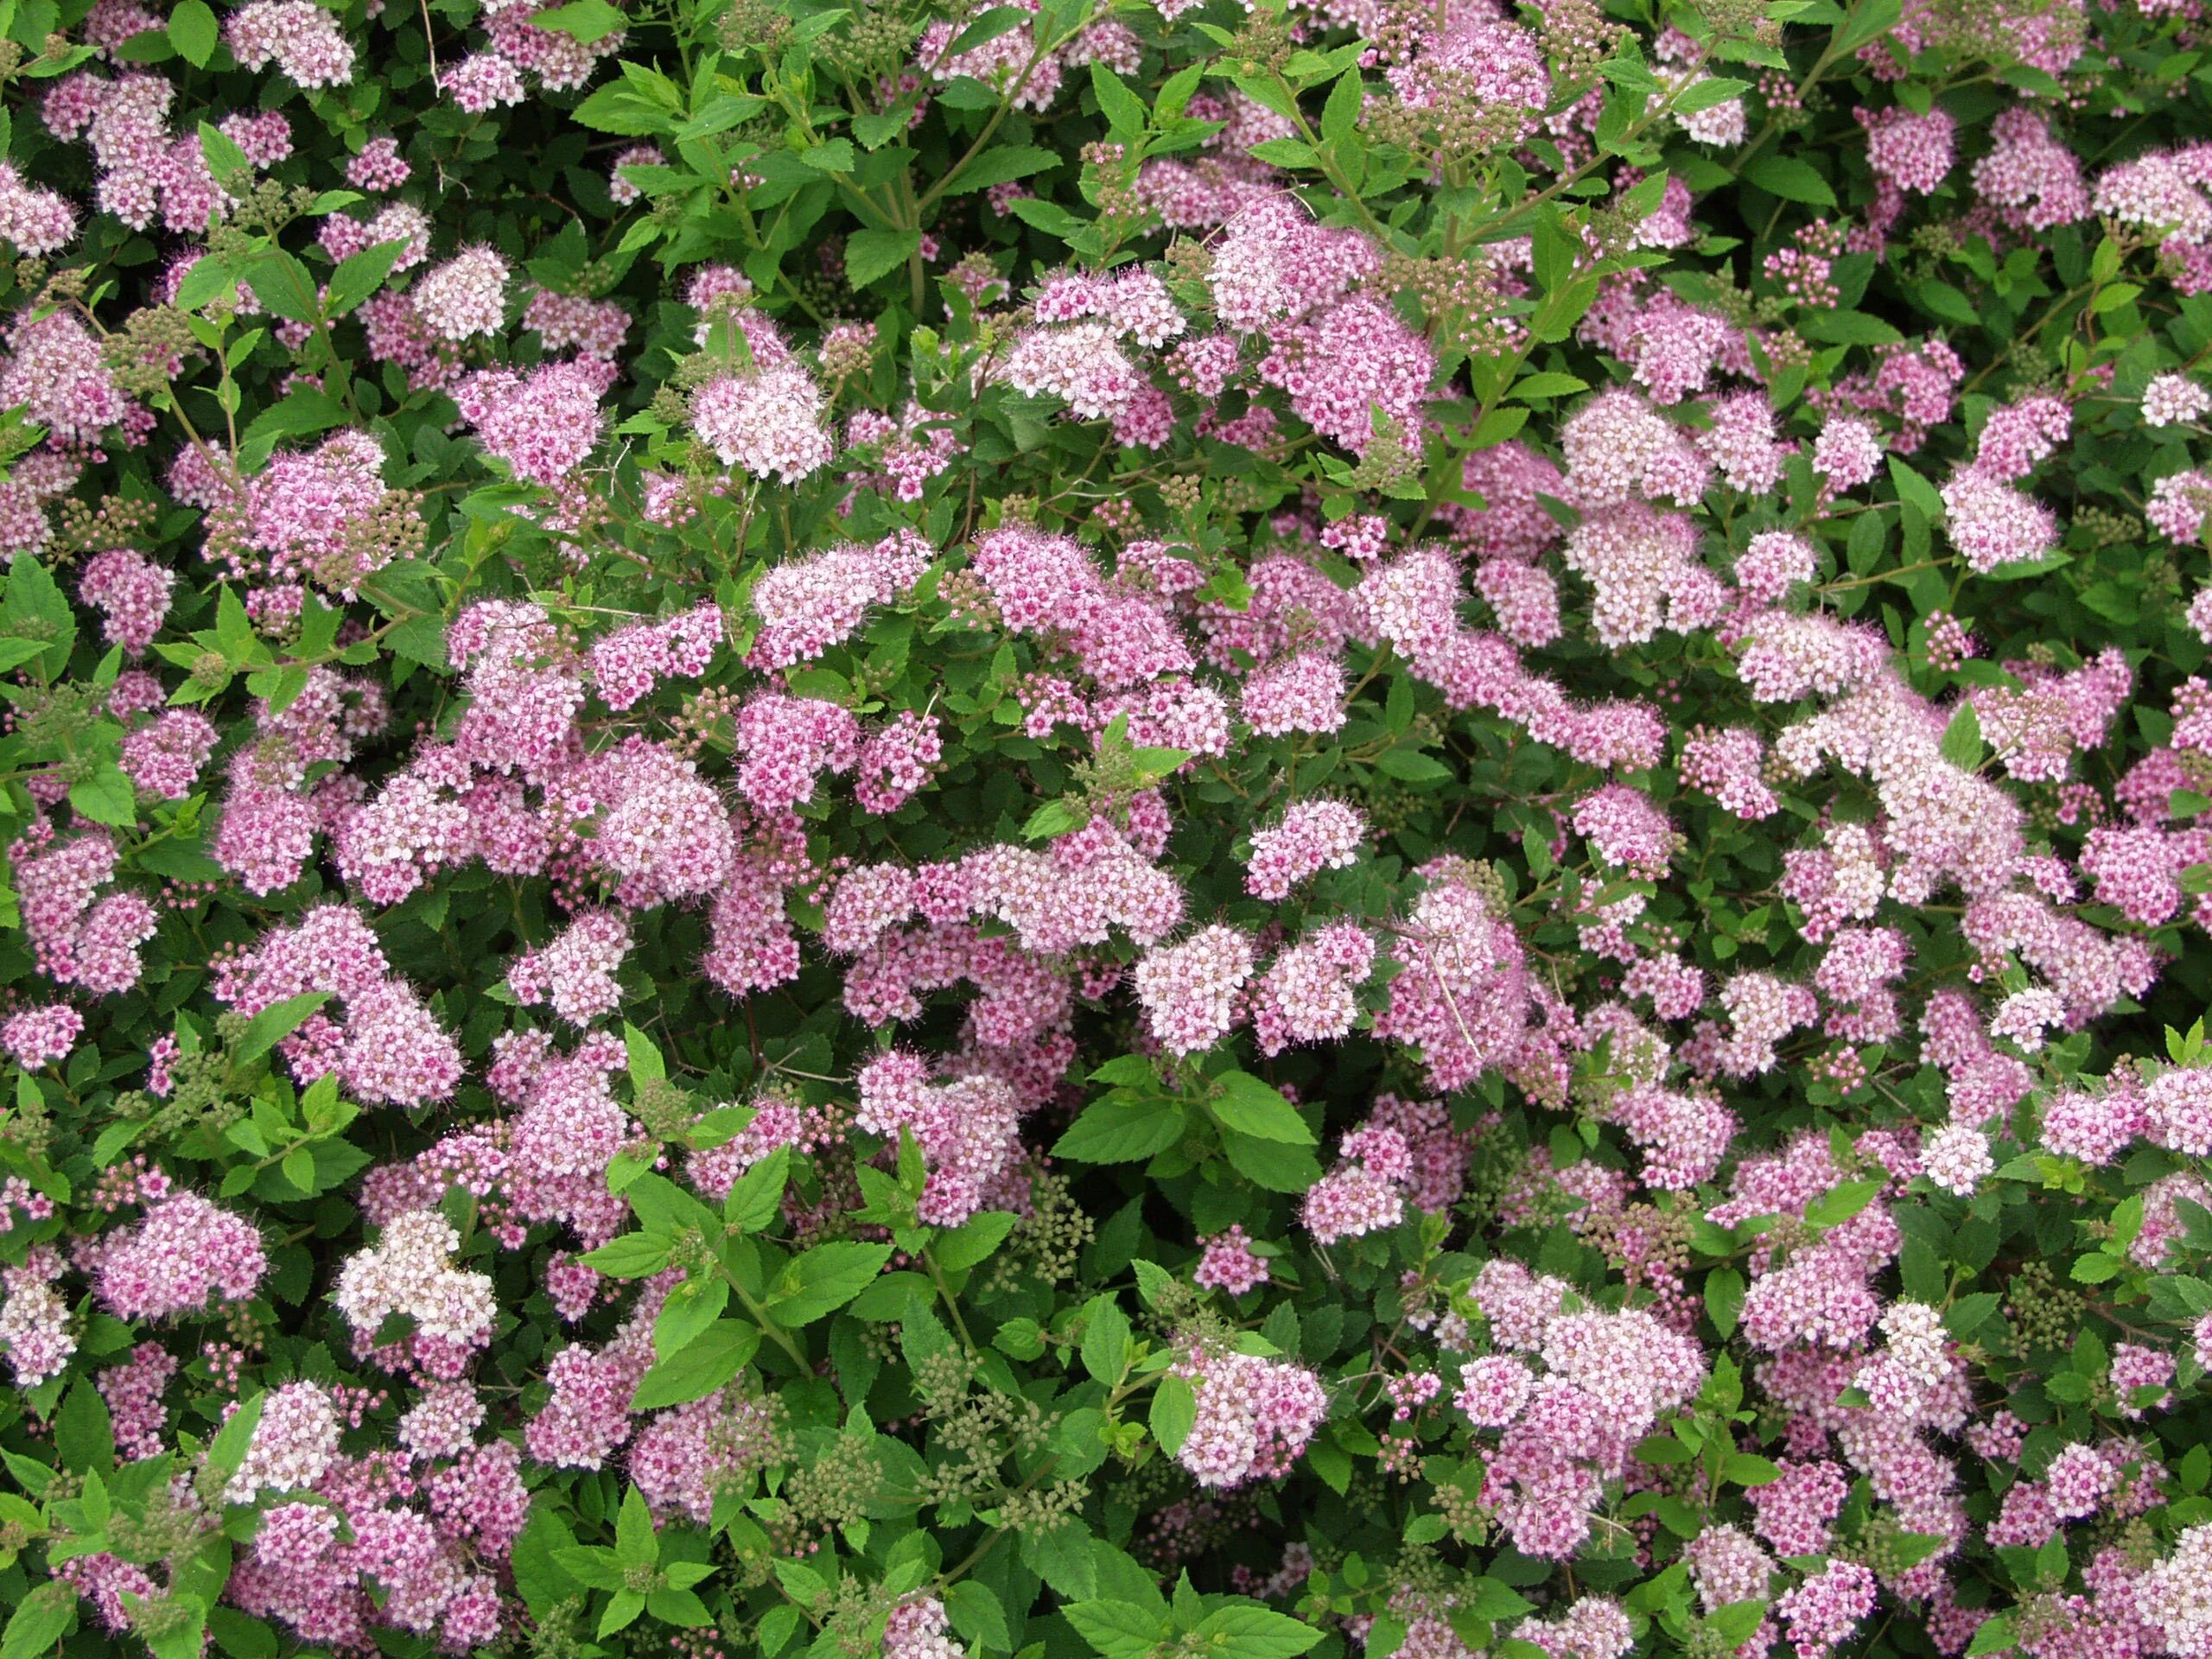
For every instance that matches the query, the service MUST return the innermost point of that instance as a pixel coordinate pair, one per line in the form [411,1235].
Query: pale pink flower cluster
[301,38]
[807,605]
[1312,836]
[184,1251]
[38,222]
[410,1272]
[1227,1262]
[1406,1151]
[967,1129]
[1310,991]
[544,425]
[1569,1429]
[1255,1417]
[1189,991]
[2173,400]
[576,974]
[464,298]
[387,1047]
[41,1036]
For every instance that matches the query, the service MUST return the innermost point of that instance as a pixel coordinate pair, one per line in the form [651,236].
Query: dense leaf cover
[1095,828]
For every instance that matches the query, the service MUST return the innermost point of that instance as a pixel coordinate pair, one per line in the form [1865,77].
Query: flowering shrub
[1030,830]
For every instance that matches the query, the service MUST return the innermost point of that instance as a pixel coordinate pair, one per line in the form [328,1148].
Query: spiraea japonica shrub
[1056,829]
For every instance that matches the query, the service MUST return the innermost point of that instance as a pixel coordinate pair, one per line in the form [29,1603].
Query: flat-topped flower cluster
[1106,827]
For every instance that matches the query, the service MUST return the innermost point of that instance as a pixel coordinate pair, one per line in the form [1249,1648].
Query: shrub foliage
[1108,829]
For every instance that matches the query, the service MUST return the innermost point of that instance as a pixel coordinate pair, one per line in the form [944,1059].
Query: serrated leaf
[1114,1629]
[1790,179]
[1121,1129]
[1961,744]
[1252,1106]
[106,797]
[193,30]
[972,1242]
[47,1614]
[1244,1629]
[871,254]
[275,1023]
[1106,1341]
[1174,1413]
[584,20]
[829,1276]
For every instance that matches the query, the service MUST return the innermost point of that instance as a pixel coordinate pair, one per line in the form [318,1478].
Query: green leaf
[42,1618]
[83,1431]
[759,1192]
[705,1363]
[225,159]
[1283,152]
[972,1242]
[1340,116]
[871,254]
[993,22]
[1063,1559]
[631,1255]
[106,797]
[1121,1129]
[275,1023]
[1790,179]
[622,1610]
[1969,1313]
[836,155]
[1174,1412]
[1708,94]
[1244,1629]
[828,1277]
[1115,1629]
[298,1168]
[1275,1165]
[226,1451]
[644,1061]
[690,1309]
[1411,766]
[1961,744]
[682,1608]
[1849,328]
[976,1615]
[1839,1203]
[1001,166]
[1106,1341]
[1869,21]
[302,412]
[193,32]
[283,285]
[1723,1299]
[1123,110]
[1052,819]
[1550,385]
[589,1565]
[1492,1600]
[1747,1469]
[1994,1636]
[636,1543]
[1253,1107]
[34,610]
[360,275]
[1735,1624]
[586,20]
[614,108]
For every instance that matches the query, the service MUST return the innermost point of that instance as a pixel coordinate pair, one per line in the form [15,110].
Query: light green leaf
[871,254]
[1252,1106]
[828,1277]
[275,1023]
[193,32]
